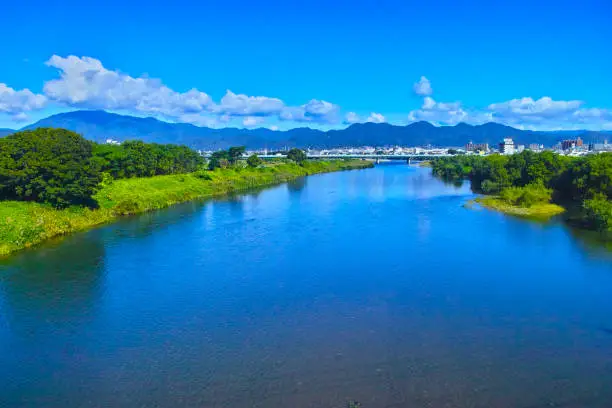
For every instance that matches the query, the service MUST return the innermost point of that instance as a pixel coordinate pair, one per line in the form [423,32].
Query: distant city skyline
[537,65]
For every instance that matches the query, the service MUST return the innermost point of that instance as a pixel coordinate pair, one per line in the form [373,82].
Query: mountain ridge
[100,125]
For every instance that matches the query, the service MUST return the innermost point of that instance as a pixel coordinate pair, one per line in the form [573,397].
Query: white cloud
[243,105]
[273,127]
[20,117]
[439,112]
[17,103]
[351,118]
[528,109]
[85,82]
[376,118]
[548,114]
[423,87]
[317,111]
[251,121]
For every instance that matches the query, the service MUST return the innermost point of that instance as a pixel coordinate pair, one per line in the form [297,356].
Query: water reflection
[375,285]
[55,284]
[297,184]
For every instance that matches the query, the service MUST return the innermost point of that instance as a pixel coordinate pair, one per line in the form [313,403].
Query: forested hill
[101,125]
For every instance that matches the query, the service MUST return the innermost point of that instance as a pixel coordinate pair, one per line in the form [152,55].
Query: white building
[507,146]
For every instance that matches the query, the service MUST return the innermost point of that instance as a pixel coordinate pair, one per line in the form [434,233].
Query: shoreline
[536,211]
[26,224]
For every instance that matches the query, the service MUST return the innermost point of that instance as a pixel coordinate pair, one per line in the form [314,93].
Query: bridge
[375,157]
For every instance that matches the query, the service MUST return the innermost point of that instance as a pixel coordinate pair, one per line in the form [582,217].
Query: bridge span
[377,157]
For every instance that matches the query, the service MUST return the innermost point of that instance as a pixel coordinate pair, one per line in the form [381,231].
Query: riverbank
[540,211]
[24,224]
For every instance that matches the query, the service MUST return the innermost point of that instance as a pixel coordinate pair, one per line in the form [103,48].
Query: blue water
[375,285]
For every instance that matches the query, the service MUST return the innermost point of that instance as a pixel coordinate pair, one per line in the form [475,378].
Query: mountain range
[100,126]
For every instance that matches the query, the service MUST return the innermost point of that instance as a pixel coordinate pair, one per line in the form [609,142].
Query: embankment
[23,224]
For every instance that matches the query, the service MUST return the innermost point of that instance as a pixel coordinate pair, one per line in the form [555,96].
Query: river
[375,285]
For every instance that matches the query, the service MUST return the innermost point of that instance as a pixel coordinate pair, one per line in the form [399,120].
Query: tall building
[507,146]
[601,147]
[571,144]
[536,147]
[476,147]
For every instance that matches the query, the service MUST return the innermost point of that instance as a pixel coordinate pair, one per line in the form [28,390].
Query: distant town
[568,147]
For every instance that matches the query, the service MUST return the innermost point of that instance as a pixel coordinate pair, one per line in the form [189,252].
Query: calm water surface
[373,285]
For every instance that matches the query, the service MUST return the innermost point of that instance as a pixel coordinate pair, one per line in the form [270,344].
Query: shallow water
[374,285]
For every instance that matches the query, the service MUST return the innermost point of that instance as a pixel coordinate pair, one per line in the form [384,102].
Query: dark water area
[375,285]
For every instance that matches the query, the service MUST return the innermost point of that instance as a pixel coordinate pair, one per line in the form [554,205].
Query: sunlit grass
[541,211]
[23,224]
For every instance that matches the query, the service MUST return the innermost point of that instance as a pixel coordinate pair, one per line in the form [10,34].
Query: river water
[375,285]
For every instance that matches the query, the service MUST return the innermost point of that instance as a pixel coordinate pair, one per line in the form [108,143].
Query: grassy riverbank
[539,185]
[23,224]
[536,211]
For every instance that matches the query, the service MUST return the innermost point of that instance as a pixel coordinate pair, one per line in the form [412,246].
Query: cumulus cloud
[526,113]
[316,111]
[251,121]
[376,118]
[18,103]
[423,87]
[85,82]
[439,112]
[243,105]
[548,114]
[533,110]
[351,118]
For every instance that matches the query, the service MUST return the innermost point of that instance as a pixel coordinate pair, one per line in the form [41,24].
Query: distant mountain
[100,126]
[6,132]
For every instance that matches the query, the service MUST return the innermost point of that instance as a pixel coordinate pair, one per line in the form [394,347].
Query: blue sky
[532,64]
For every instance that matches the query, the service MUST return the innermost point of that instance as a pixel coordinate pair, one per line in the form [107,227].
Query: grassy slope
[23,224]
[540,211]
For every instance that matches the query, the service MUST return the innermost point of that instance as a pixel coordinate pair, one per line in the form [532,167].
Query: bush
[254,161]
[489,187]
[297,155]
[534,194]
[598,213]
[48,165]
[526,196]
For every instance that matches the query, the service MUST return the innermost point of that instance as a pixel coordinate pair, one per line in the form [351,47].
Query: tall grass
[23,224]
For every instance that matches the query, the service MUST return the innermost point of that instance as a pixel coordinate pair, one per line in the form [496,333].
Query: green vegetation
[86,184]
[138,159]
[297,155]
[526,183]
[54,166]
[535,211]
[254,161]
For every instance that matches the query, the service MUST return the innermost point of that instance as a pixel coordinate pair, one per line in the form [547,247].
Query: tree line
[61,168]
[583,183]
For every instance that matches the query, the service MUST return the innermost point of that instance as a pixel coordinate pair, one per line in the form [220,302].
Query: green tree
[217,159]
[254,161]
[297,155]
[598,213]
[235,153]
[48,165]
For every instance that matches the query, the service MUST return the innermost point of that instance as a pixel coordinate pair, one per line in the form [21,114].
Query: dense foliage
[254,161]
[55,166]
[297,155]
[139,159]
[585,181]
[23,224]
[61,168]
